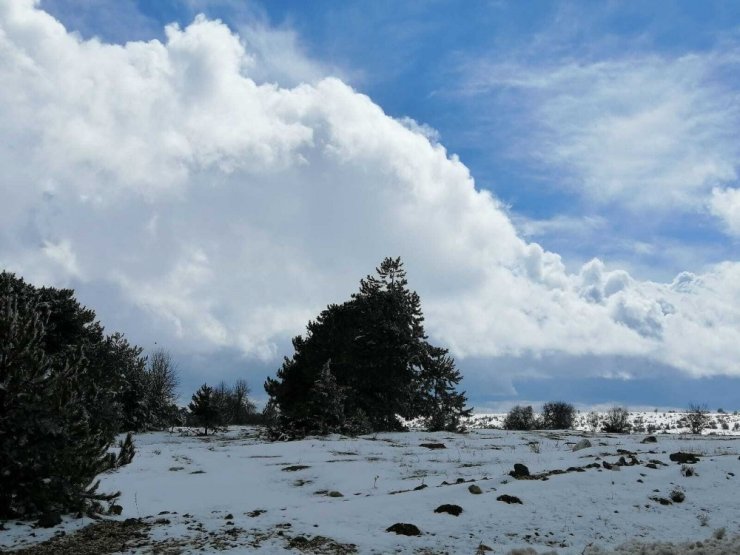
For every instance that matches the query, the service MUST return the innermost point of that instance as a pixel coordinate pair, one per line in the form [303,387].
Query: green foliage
[380,360]
[58,409]
[205,408]
[326,401]
[520,418]
[557,415]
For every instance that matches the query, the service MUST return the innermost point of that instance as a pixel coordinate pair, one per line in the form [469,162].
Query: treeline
[220,406]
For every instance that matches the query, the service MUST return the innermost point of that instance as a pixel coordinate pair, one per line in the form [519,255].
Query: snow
[203,480]
[668,422]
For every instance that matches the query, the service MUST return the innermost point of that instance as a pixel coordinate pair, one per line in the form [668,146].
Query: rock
[583,444]
[404,529]
[335,494]
[650,439]
[652,465]
[453,510]
[49,519]
[474,489]
[229,517]
[662,500]
[115,509]
[520,471]
[420,487]
[433,445]
[509,499]
[684,458]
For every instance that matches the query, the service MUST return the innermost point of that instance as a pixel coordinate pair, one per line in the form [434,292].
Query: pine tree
[205,408]
[380,359]
[126,361]
[51,445]
[441,405]
[327,404]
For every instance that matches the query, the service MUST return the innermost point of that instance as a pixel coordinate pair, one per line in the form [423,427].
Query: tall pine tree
[380,358]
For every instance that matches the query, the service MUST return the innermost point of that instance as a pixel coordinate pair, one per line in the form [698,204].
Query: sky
[560,179]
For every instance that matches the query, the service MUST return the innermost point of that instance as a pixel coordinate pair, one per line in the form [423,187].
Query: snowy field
[236,493]
[648,422]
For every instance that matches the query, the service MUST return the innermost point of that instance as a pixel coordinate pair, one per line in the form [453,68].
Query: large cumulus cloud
[184,193]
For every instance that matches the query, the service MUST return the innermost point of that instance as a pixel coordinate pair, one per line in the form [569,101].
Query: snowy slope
[203,480]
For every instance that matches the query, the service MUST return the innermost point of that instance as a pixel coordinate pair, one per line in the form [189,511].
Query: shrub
[593,420]
[677,496]
[688,470]
[520,418]
[697,418]
[558,415]
[616,421]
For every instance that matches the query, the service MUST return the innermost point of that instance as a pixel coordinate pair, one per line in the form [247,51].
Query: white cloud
[228,212]
[725,204]
[650,133]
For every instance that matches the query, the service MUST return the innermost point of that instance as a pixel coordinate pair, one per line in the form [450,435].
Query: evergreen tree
[380,359]
[327,404]
[442,405]
[132,400]
[54,431]
[204,408]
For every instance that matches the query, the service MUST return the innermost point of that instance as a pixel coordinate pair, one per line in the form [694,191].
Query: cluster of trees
[556,415]
[364,363]
[67,389]
[223,405]
[62,401]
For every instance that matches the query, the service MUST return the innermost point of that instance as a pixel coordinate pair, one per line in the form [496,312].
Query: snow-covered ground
[661,422]
[238,493]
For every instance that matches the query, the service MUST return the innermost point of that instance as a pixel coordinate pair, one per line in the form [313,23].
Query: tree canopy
[373,350]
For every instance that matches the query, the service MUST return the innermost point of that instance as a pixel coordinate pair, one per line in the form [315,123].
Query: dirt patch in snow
[103,537]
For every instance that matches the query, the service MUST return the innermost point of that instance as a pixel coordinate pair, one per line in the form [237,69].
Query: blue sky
[602,130]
